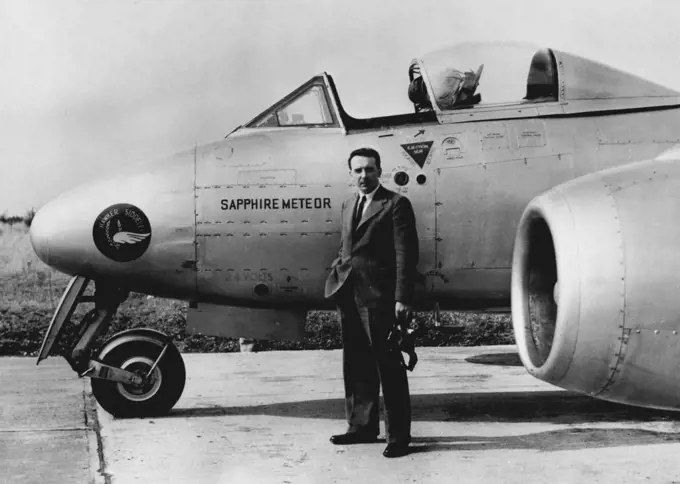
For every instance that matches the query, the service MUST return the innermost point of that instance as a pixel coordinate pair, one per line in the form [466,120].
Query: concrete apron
[267,417]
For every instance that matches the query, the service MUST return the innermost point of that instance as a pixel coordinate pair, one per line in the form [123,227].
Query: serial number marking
[249,276]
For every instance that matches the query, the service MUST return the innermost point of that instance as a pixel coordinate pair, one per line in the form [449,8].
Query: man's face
[365,174]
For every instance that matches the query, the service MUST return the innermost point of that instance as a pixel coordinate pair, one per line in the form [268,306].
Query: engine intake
[596,285]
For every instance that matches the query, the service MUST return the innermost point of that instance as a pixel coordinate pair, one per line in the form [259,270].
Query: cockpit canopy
[480,77]
[489,74]
[511,73]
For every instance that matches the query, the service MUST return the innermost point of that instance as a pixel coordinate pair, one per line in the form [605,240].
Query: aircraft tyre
[159,393]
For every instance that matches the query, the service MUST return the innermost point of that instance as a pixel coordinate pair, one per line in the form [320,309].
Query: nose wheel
[161,368]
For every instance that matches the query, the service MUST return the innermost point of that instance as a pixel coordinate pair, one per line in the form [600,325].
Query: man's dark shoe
[354,438]
[398,449]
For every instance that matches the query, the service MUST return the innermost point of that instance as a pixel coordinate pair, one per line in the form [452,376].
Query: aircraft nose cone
[55,233]
[44,227]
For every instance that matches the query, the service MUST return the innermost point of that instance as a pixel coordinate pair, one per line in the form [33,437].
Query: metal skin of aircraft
[538,178]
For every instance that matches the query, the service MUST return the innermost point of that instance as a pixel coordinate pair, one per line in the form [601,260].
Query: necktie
[358,213]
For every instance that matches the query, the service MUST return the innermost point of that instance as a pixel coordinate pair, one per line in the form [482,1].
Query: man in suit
[372,283]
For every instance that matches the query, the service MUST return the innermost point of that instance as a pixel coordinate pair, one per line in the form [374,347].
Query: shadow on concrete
[547,441]
[558,407]
[497,359]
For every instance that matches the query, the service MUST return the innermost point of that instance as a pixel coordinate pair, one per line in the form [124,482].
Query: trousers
[369,362]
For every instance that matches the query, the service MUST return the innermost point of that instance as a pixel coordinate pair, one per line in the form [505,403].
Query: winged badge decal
[122,232]
[129,237]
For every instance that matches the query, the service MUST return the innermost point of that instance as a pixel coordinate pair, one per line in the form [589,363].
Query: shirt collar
[369,196]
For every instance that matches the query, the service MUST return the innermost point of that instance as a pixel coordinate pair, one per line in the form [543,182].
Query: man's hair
[367,152]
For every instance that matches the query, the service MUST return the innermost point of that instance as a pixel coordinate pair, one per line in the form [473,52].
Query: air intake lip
[541,283]
[545,288]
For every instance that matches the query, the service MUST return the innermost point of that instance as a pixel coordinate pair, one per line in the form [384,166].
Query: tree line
[17,219]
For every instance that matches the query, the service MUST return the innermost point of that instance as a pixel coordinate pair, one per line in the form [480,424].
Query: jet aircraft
[540,179]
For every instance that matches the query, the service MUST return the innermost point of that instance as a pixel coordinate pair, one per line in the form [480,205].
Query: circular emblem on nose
[122,232]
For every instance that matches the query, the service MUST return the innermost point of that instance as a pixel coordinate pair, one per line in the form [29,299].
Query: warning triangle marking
[418,151]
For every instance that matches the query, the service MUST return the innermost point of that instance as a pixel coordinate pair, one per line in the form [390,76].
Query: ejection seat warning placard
[315,203]
[418,151]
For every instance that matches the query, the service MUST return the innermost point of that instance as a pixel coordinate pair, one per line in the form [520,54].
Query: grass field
[30,292]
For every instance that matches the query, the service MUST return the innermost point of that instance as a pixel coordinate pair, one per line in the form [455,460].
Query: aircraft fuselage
[255,218]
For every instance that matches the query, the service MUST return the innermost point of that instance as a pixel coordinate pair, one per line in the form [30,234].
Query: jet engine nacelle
[596,285]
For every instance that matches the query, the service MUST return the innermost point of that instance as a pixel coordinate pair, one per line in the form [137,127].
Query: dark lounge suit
[376,266]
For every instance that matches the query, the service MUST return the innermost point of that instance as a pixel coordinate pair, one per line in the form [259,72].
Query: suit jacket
[381,256]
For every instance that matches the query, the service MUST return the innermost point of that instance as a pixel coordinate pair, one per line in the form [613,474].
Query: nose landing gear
[138,372]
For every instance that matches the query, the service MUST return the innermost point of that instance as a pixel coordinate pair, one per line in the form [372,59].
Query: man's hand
[403,313]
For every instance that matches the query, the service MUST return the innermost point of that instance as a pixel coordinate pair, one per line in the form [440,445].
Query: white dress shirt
[369,199]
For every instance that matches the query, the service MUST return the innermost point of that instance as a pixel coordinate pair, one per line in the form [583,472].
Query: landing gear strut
[138,372]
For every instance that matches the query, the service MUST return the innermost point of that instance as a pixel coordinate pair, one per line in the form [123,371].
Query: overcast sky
[89,85]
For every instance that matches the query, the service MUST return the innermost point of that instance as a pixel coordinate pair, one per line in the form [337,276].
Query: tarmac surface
[478,417]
